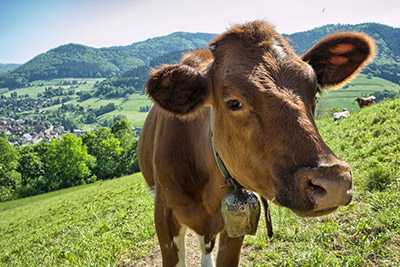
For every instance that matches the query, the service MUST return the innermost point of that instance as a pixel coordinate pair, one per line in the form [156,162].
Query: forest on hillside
[386,65]
[79,61]
[133,80]
[8,67]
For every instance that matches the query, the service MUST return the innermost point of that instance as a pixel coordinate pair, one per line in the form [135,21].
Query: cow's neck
[229,180]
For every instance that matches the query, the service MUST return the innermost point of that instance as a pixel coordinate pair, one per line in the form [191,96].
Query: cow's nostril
[316,189]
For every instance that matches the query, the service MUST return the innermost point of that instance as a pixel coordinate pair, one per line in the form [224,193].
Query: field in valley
[362,86]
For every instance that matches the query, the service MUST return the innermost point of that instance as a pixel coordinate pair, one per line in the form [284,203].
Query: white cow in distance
[341,115]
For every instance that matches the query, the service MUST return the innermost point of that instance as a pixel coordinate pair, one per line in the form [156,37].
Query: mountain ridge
[5,67]
[80,61]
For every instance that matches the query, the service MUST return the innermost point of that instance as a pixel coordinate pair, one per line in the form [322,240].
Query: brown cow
[262,97]
[365,101]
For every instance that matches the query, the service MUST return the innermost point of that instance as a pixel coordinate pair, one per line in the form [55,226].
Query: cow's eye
[234,104]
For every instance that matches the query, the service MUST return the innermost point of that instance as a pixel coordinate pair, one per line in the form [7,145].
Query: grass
[92,225]
[40,85]
[366,233]
[128,108]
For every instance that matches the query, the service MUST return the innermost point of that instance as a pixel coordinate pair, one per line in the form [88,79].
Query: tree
[123,132]
[103,133]
[128,163]
[91,118]
[89,139]
[32,170]
[66,163]
[69,124]
[10,179]
[108,158]
[106,149]
[84,97]
[114,150]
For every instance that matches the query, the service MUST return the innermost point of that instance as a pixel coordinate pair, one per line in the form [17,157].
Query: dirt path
[193,254]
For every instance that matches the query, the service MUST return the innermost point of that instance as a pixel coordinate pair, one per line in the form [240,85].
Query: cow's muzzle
[320,190]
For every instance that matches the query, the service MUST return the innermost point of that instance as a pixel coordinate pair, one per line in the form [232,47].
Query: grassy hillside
[362,86]
[111,223]
[93,225]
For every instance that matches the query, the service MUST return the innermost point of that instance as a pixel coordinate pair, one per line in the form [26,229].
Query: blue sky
[31,27]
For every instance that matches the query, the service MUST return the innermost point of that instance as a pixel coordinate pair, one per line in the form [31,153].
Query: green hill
[85,97]
[8,67]
[79,61]
[386,64]
[133,80]
[110,223]
[92,225]
[362,86]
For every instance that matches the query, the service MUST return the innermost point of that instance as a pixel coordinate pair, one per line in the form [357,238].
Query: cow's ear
[179,89]
[337,58]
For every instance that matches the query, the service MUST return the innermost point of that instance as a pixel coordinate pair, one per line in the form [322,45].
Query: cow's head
[263,99]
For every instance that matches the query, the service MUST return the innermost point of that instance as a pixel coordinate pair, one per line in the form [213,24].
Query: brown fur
[267,140]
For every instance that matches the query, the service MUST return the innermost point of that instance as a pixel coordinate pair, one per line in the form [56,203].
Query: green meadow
[93,225]
[110,223]
[361,86]
[37,87]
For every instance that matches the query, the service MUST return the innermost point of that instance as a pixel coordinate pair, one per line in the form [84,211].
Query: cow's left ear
[337,58]
[179,89]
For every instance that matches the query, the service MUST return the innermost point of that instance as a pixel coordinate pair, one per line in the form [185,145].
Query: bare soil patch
[193,254]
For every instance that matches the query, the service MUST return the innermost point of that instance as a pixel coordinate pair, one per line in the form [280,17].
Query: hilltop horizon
[177,32]
[30,27]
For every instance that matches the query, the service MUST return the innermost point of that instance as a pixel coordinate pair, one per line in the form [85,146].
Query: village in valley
[21,129]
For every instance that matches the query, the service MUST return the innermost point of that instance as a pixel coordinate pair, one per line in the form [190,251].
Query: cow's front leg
[206,249]
[171,235]
[229,250]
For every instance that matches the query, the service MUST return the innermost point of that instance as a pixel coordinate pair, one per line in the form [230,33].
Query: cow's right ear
[337,58]
[179,89]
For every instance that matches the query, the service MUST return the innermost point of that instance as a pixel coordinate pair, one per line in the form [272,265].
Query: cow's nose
[329,186]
